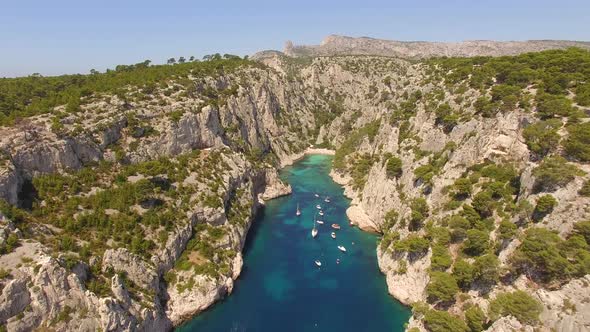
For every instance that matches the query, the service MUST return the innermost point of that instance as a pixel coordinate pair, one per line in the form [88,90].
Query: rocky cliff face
[206,149]
[343,45]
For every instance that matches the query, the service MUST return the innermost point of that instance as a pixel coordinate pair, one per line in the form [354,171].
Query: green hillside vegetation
[27,96]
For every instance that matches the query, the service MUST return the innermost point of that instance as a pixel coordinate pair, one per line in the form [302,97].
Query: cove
[281,289]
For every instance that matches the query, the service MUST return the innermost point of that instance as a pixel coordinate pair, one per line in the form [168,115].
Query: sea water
[281,288]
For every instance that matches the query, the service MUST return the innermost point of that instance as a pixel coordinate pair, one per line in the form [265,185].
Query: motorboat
[321,213]
[327,200]
[335,226]
[318,207]
[342,248]
[318,263]
[298,213]
[321,222]
[314,231]
[333,235]
[316,195]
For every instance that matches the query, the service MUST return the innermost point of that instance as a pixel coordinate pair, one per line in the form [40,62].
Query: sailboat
[314,231]
[298,213]
[342,248]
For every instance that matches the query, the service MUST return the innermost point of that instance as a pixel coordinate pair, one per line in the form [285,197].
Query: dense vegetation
[35,94]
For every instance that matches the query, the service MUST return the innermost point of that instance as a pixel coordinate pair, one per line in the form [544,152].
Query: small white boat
[318,263]
[335,226]
[342,248]
[327,200]
[321,213]
[314,231]
[321,222]
[333,235]
[298,213]
[337,260]
[316,195]
[318,207]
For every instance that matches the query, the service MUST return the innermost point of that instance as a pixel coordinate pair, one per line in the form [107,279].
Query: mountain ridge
[345,45]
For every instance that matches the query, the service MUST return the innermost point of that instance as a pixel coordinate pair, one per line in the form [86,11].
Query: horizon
[67,37]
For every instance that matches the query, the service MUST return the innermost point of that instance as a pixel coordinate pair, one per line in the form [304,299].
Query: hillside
[127,195]
[343,45]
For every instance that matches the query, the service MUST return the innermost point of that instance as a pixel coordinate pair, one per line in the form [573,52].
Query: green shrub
[413,244]
[419,213]
[441,258]
[583,94]
[477,242]
[445,117]
[506,230]
[486,269]
[518,304]
[542,137]
[545,205]
[585,190]
[424,173]
[462,188]
[539,254]
[483,203]
[583,228]
[475,318]
[463,273]
[442,321]
[459,226]
[553,173]
[549,106]
[442,287]
[394,167]
[577,144]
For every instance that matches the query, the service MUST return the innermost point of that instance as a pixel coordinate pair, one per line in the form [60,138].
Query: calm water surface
[281,289]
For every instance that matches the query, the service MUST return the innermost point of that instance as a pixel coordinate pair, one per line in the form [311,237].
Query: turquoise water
[281,289]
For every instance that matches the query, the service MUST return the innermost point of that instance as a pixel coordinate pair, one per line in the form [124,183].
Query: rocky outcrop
[274,186]
[567,309]
[10,183]
[406,276]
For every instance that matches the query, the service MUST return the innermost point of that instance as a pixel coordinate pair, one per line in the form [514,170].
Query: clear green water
[281,289]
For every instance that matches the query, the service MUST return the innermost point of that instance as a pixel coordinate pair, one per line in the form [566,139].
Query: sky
[55,37]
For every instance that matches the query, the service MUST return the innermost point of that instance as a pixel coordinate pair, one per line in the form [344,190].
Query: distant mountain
[341,45]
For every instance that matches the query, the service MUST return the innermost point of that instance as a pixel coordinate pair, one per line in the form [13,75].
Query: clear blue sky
[65,36]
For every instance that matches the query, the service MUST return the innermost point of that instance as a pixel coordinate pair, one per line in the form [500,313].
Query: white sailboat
[342,248]
[298,213]
[314,231]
